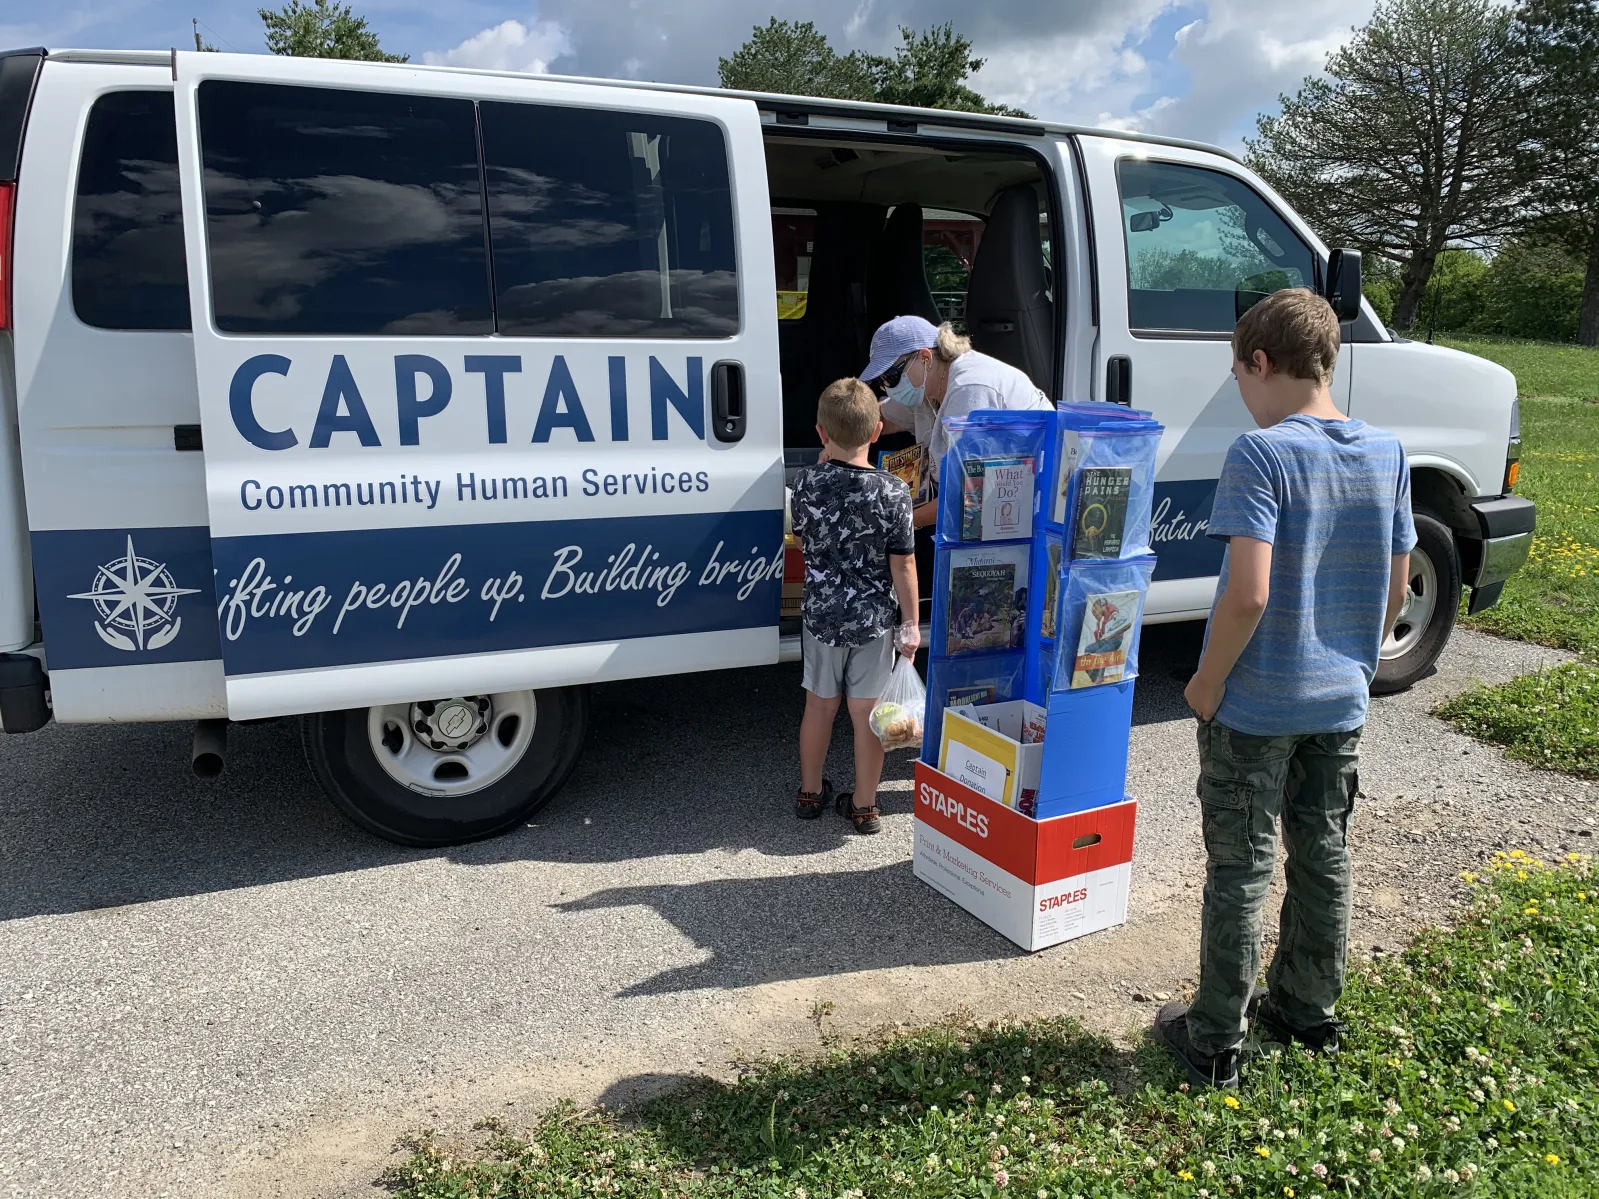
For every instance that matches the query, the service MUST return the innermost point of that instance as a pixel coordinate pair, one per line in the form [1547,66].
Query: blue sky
[1194,68]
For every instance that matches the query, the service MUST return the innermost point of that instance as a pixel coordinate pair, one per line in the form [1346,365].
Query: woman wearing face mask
[932,373]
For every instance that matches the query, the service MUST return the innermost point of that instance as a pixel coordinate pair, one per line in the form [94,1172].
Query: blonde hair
[1296,328]
[950,344]
[848,413]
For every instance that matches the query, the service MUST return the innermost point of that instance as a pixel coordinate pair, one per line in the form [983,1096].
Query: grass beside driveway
[1469,1069]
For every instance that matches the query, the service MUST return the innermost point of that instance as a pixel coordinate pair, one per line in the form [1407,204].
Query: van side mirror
[1342,287]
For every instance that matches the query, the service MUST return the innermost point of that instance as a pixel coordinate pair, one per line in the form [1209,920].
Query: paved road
[224,989]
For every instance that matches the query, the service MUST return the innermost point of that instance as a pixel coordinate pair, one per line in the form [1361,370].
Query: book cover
[964,697]
[987,598]
[1051,592]
[1108,622]
[997,498]
[1101,511]
[907,464]
[1064,471]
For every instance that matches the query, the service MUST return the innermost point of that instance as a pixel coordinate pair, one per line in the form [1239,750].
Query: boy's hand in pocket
[1204,697]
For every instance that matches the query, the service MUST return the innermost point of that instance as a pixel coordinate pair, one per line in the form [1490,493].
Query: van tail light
[8,197]
[1513,450]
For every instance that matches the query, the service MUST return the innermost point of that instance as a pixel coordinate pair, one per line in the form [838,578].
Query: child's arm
[1398,586]
[1233,622]
[903,569]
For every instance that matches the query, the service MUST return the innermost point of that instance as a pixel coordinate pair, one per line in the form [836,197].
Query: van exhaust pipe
[210,748]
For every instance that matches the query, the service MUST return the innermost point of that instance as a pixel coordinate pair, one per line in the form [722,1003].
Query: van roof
[898,118]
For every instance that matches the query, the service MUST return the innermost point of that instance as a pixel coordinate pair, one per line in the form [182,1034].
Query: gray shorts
[858,671]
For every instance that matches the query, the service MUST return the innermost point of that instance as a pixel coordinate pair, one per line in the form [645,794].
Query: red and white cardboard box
[1036,882]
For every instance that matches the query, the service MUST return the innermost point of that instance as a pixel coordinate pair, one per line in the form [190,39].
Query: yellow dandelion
[1231,1102]
[1262,1151]
[1582,895]
[1469,876]
[1552,1158]
[1521,875]
[1185,1175]
[1509,1107]
[1516,853]
[1289,1191]
[1529,911]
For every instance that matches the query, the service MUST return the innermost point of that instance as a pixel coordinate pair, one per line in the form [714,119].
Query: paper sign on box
[1009,735]
[1036,882]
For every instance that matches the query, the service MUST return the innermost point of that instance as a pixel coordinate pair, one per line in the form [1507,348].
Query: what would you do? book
[997,498]
[987,598]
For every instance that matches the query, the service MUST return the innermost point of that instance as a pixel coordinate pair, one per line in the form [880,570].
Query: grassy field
[1550,719]
[1469,1069]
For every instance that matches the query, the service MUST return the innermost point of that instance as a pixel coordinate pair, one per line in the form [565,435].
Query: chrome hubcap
[1421,601]
[452,746]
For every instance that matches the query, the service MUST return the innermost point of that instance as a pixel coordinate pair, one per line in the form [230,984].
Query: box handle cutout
[1086,840]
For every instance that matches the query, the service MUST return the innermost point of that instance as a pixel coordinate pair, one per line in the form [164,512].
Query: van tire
[1434,564]
[339,746]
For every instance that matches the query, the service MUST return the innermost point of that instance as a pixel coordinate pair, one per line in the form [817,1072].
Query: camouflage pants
[1246,785]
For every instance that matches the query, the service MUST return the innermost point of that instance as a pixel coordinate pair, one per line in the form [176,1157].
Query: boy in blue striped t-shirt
[1315,510]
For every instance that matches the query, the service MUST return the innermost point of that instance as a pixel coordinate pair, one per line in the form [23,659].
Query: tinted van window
[128,268]
[609,224]
[1202,247]
[345,212]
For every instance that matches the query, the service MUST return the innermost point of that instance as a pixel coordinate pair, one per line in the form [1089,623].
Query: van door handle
[728,409]
[1119,380]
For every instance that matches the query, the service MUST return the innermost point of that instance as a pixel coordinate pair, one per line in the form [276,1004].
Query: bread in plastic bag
[897,718]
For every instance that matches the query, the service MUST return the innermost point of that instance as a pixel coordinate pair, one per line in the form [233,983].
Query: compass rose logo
[137,600]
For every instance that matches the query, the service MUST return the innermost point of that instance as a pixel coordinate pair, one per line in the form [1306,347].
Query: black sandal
[808,805]
[866,820]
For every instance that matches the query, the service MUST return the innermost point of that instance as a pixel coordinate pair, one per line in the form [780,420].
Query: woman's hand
[925,514]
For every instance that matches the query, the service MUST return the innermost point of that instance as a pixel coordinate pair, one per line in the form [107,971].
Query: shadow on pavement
[102,816]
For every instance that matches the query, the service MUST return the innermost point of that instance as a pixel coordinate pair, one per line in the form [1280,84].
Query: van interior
[863,231]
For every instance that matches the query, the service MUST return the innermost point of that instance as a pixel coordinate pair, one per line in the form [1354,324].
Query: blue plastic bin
[1085,749]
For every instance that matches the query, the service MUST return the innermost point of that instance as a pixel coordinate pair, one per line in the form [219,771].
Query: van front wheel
[1428,617]
[445,771]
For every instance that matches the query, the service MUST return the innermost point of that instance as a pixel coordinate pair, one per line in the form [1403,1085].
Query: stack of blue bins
[1088,727]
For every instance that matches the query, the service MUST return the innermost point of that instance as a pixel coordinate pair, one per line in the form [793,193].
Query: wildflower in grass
[1289,1191]
[863,1107]
[1552,1158]
[1423,1174]
[1451,1176]
[1291,1168]
[1319,1170]
[1391,1106]
[1374,1154]
[1209,1167]
[1468,1172]
[1509,1106]
[1399,1144]
[1001,1179]
[1262,1151]
[1231,1102]
[1185,1176]
[1412,1131]
[1468,876]
[1150,1163]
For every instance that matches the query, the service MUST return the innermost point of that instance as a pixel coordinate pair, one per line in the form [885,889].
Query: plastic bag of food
[897,718]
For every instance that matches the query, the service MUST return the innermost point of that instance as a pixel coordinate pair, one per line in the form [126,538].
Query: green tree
[1560,42]
[926,70]
[930,69]
[1408,143]
[793,58]
[322,30]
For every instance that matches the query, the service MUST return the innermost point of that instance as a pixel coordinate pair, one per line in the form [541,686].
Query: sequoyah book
[1108,622]
[1101,511]
[987,598]
[997,498]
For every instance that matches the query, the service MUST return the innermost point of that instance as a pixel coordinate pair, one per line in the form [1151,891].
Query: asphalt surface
[222,988]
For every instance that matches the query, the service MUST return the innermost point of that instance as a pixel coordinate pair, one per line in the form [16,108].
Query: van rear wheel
[1428,617]
[446,771]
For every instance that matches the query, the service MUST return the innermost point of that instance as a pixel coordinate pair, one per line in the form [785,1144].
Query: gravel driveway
[222,989]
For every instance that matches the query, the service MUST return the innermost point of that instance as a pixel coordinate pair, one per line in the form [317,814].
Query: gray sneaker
[1204,1070]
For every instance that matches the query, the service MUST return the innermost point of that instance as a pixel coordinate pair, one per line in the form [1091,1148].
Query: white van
[412,400]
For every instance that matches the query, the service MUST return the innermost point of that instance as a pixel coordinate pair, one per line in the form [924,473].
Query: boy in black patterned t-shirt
[854,526]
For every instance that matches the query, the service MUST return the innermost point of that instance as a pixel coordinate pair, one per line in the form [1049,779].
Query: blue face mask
[903,391]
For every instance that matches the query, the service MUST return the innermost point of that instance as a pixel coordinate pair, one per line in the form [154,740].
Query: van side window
[1202,248]
[128,267]
[609,224]
[343,212]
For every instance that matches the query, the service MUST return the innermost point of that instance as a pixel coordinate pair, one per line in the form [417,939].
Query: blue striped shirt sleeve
[1246,494]
[1404,523]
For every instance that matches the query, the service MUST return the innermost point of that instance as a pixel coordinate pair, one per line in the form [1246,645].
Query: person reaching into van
[854,526]
[930,373]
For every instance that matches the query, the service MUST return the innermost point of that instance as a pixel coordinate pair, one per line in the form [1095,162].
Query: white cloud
[508,46]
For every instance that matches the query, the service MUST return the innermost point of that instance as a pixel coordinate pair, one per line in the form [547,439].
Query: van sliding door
[488,380]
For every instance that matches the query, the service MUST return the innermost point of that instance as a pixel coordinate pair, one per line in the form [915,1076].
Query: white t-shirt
[975,381]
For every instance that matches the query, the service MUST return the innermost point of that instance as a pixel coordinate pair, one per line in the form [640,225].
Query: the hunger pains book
[1101,511]
[906,464]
